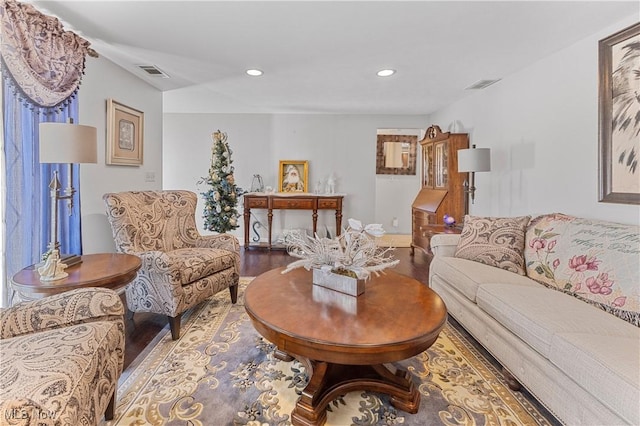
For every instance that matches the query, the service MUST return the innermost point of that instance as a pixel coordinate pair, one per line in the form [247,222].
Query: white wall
[541,124]
[103,79]
[542,127]
[394,196]
[345,145]
[395,193]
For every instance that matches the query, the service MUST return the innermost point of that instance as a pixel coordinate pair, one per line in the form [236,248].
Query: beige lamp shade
[474,160]
[68,143]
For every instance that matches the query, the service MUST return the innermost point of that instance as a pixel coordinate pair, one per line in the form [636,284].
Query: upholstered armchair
[61,358]
[180,267]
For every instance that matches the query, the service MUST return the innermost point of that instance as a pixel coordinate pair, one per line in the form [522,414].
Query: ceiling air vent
[153,71]
[481,84]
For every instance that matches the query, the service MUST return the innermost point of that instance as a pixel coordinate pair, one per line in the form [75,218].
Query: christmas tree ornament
[221,199]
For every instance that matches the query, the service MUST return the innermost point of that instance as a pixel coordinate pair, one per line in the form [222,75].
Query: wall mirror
[396,154]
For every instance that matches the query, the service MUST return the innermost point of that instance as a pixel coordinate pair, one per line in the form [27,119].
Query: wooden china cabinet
[442,189]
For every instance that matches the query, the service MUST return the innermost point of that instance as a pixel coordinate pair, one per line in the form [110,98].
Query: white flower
[355,224]
[374,229]
[354,250]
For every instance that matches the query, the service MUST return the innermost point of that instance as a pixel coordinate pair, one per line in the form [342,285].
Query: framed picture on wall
[396,154]
[125,134]
[294,176]
[619,116]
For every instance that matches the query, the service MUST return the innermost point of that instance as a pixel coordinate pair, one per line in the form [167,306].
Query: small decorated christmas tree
[221,200]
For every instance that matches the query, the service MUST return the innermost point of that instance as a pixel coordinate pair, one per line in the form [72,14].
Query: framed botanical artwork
[294,176]
[125,134]
[619,116]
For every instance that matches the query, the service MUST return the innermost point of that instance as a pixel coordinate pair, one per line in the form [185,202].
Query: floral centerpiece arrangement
[353,253]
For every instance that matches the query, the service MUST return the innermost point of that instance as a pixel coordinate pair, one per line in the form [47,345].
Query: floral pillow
[595,261]
[494,241]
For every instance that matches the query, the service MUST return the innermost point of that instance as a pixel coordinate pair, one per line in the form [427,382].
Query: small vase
[337,282]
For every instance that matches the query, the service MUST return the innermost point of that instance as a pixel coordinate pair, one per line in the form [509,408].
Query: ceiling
[322,56]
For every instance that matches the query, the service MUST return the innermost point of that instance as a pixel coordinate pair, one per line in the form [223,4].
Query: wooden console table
[282,201]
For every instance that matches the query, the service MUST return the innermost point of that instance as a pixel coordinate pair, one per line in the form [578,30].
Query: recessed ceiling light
[254,72]
[386,73]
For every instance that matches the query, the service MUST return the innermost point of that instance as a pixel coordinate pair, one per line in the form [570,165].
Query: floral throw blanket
[595,261]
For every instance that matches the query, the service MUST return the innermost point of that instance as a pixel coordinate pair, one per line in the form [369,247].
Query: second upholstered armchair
[60,358]
[180,267]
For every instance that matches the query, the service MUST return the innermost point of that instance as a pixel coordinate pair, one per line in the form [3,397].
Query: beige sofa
[566,327]
[60,358]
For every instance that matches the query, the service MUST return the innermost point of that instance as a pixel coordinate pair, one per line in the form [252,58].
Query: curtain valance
[43,62]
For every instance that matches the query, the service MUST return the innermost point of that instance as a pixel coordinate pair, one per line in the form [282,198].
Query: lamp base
[70,259]
[53,268]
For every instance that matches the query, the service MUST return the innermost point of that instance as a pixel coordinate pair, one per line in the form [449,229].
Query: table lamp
[63,143]
[473,160]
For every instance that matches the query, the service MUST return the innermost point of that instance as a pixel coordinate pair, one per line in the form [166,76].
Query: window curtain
[45,63]
[42,66]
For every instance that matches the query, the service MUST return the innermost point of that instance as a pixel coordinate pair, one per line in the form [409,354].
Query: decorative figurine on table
[256,184]
[53,268]
[449,221]
[331,184]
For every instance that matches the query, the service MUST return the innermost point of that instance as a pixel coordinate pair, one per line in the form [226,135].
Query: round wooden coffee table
[344,341]
[110,270]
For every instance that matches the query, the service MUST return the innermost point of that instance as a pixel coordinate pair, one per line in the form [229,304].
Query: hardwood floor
[144,327]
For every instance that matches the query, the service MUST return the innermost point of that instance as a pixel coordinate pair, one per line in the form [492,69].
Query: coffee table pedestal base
[328,381]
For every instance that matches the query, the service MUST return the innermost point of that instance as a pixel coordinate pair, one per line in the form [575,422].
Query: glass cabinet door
[440,167]
[427,166]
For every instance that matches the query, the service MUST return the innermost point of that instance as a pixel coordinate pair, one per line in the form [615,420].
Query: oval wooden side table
[107,270]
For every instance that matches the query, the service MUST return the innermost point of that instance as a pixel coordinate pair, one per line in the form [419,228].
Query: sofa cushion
[604,365]
[596,261]
[466,276]
[193,264]
[494,241]
[536,314]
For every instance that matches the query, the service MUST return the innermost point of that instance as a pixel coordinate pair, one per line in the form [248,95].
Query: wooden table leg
[247,219]
[315,221]
[338,221]
[282,356]
[270,220]
[328,381]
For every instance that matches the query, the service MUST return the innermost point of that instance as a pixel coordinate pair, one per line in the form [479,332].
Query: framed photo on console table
[125,134]
[619,116]
[293,176]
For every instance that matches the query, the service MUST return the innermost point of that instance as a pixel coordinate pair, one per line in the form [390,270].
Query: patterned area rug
[221,372]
